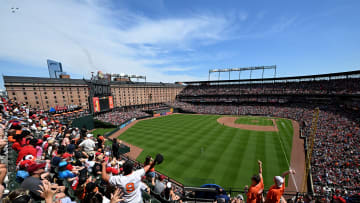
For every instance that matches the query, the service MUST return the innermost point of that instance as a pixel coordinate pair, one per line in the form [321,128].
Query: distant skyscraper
[55,68]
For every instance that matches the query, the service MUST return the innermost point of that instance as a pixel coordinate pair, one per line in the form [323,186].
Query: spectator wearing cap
[28,149]
[170,195]
[160,184]
[254,194]
[88,144]
[239,199]
[129,182]
[277,190]
[33,182]
[22,173]
[97,168]
[64,173]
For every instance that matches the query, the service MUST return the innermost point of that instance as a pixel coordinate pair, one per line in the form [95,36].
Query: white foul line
[287,162]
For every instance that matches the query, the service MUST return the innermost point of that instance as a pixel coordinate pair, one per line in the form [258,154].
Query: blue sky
[179,40]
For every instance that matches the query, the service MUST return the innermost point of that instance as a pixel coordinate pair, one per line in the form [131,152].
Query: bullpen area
[200,149]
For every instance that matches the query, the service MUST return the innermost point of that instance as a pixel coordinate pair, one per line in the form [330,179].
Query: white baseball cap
[89,135]
[168,185]
[240,197]
[279,180]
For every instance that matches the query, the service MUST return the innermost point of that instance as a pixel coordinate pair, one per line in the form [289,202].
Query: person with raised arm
[276,191]
[254,194]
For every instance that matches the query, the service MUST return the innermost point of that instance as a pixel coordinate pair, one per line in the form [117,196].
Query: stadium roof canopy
[328,76]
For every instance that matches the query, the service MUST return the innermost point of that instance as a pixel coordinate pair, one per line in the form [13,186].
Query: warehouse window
[37,102]
[25,98]
[13,93]
[54,92]
[35,93]
[45,97]
[54,97]
[24,93]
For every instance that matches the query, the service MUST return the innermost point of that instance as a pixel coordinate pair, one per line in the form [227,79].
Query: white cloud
[87,37]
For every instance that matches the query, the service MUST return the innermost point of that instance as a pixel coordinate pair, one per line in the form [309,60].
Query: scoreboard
[103,103]
[100,98]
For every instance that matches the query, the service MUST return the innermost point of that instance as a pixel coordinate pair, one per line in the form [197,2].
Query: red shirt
[28,149]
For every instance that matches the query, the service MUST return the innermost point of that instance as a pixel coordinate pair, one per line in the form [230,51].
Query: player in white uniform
[130,182]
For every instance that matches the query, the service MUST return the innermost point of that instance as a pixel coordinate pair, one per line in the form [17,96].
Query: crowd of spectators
[120,117]
[43,159]
[336,155]
[337,87]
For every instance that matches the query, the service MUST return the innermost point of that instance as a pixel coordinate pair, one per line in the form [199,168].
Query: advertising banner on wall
[96,104]
[111,102]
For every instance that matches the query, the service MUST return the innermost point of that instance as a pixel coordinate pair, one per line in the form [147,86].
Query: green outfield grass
[254,120]
[199,150]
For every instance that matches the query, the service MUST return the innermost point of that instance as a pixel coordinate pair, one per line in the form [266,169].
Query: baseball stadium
[208,140]
[165,101]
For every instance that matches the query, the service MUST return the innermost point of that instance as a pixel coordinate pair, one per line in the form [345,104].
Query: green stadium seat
[146,196]
[154,200]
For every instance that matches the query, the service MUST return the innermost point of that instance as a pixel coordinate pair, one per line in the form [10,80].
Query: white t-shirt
[88,145]
[131,185]
[89,165]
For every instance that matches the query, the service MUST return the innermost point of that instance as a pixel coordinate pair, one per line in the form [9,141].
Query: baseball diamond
[198,148]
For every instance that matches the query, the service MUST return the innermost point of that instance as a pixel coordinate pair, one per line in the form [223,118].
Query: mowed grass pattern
[254,120]
[199,150]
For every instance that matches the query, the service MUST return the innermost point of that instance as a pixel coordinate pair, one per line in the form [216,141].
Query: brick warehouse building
[44,93]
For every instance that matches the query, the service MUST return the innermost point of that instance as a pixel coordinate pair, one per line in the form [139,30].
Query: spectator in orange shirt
[254,194]
[277,190]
